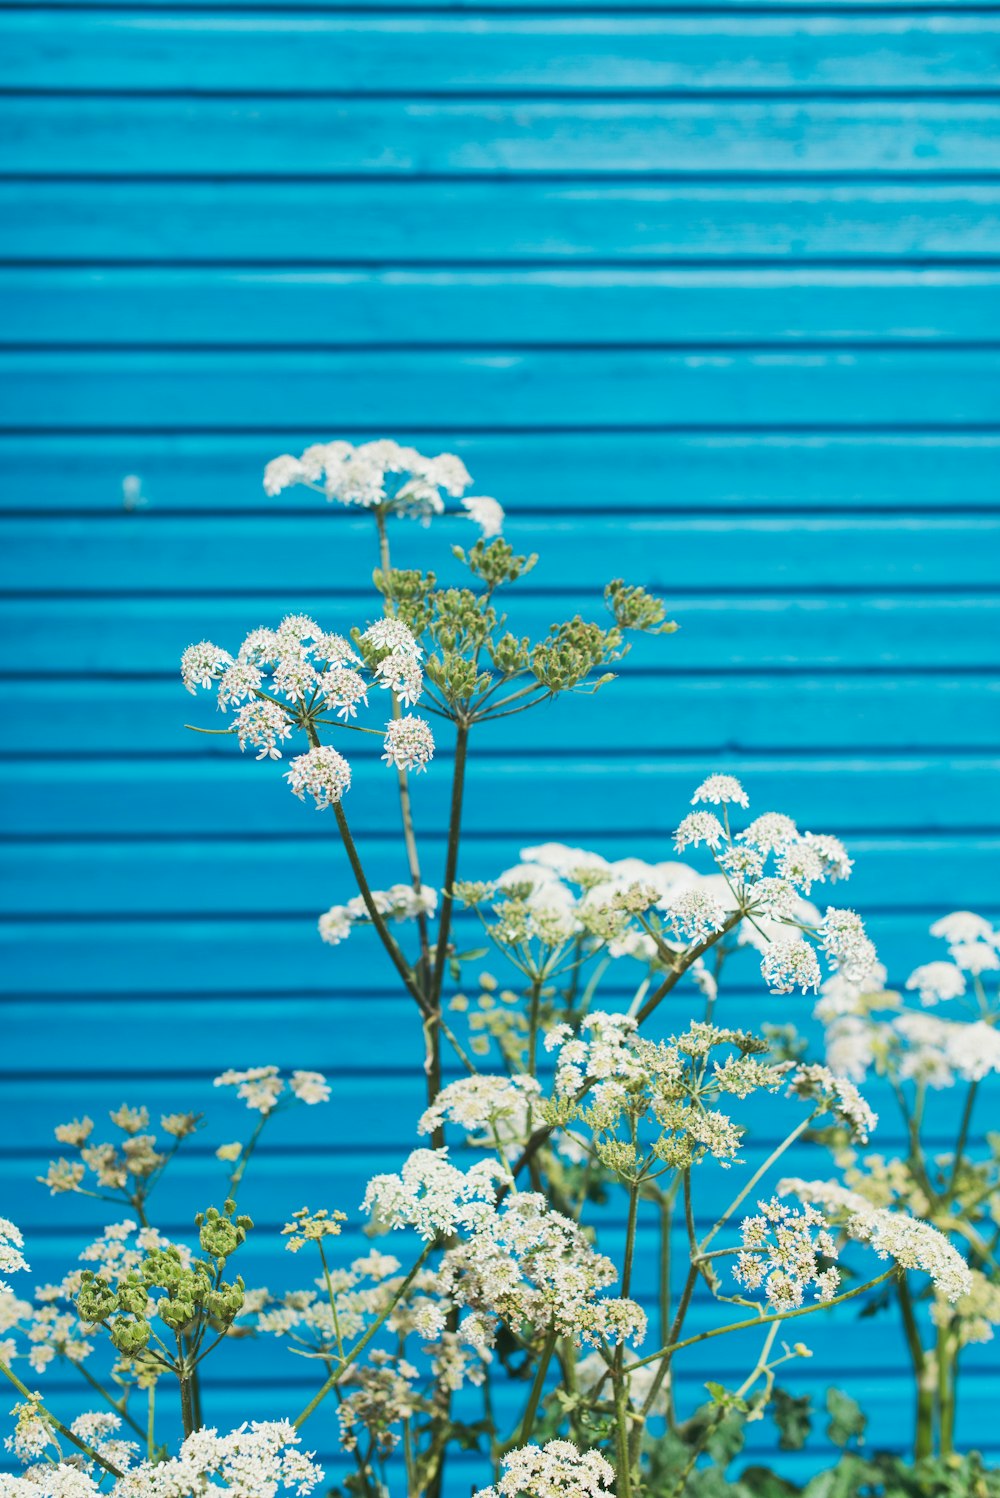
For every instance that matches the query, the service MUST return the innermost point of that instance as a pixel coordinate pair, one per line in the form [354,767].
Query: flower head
[321,773]
[409,743]
[721,790]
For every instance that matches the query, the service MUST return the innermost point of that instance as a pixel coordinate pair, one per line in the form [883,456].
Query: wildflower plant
[938,1034]
[602,1104]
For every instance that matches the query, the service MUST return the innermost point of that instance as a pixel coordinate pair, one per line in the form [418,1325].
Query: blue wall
[706,295]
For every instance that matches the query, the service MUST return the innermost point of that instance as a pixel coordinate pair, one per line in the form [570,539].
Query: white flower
[241,681]
[321,773]
[261,1459]
[839,1094]
[432,1195]
[911,1243]
[720,789]
[845,942]
[259,1086]
[486,513]
[557,1470]
[392,635]
[975,956]
[498,1107]
[832,855]
[262,724]
[850,1046]
[12,1260]
[343,690]
[770,832]
[790,963]
[937,982]
[310,1087]
[409,743]
[699,827]
[260,646]
[400,673]
[335,925]
[695,913]
[782,1251]
[962,926]
[282,472]
[295,675]
[202,664]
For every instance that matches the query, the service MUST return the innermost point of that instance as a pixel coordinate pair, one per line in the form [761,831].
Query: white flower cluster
[12,1260]
[909,1242]
[432,1195]
[558,895]
[840,1097]
[295,676]
[384,475]
[400,902]
[782,1251]
[557,1470]
[493,1111]
[261,1087]
[260,1460]
[531,1266]
[866,1027]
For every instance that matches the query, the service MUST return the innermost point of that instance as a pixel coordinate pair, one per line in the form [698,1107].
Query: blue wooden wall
[706,294]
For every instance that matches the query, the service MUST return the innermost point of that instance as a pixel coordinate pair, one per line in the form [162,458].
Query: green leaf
[793,1417]
[847,1419]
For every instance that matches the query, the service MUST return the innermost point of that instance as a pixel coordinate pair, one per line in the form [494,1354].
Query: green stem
[63,1430]
[690,957]
[377,919]
[738,1326]
[451,858]
[923,1438]
[537,1387]
[359,1346]
[758,1174]
[118,1405]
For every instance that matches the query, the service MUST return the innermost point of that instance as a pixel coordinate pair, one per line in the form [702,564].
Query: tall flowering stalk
[940,1033]
[598,1066]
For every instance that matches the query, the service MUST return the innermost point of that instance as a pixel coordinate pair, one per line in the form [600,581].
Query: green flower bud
[96,1300]
[176,1313]
[128,1336]
[132,1295]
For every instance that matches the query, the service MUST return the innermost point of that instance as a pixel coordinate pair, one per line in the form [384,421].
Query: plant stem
[762,1170]
[537,1387]
[690,956]
[360,1345]
[377,919]
[923,1438]
[451,857]
[57,1424]
[737,1326]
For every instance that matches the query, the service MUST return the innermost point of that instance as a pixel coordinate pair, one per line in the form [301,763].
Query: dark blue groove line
[201,917]
[321,591]
[669,674]
[597,755]
[814,178]
[330,7]
[532,835]
[664,511]
[547,429]
[709,262]
[793,345]
[530,94]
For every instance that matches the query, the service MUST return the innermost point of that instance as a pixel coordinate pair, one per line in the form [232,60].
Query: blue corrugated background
[705,294]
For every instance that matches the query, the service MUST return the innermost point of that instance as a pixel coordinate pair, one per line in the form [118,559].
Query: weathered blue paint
[706,294]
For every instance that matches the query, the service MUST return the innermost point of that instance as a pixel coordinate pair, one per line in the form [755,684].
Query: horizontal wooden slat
[375,1128]
[817,632]
[662,471]
[530,797]
[427,222]
[281,553]
[699,714]
[392,137]
[178,956]
[128,308]
[499,388]
[364,53]
[171,877]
